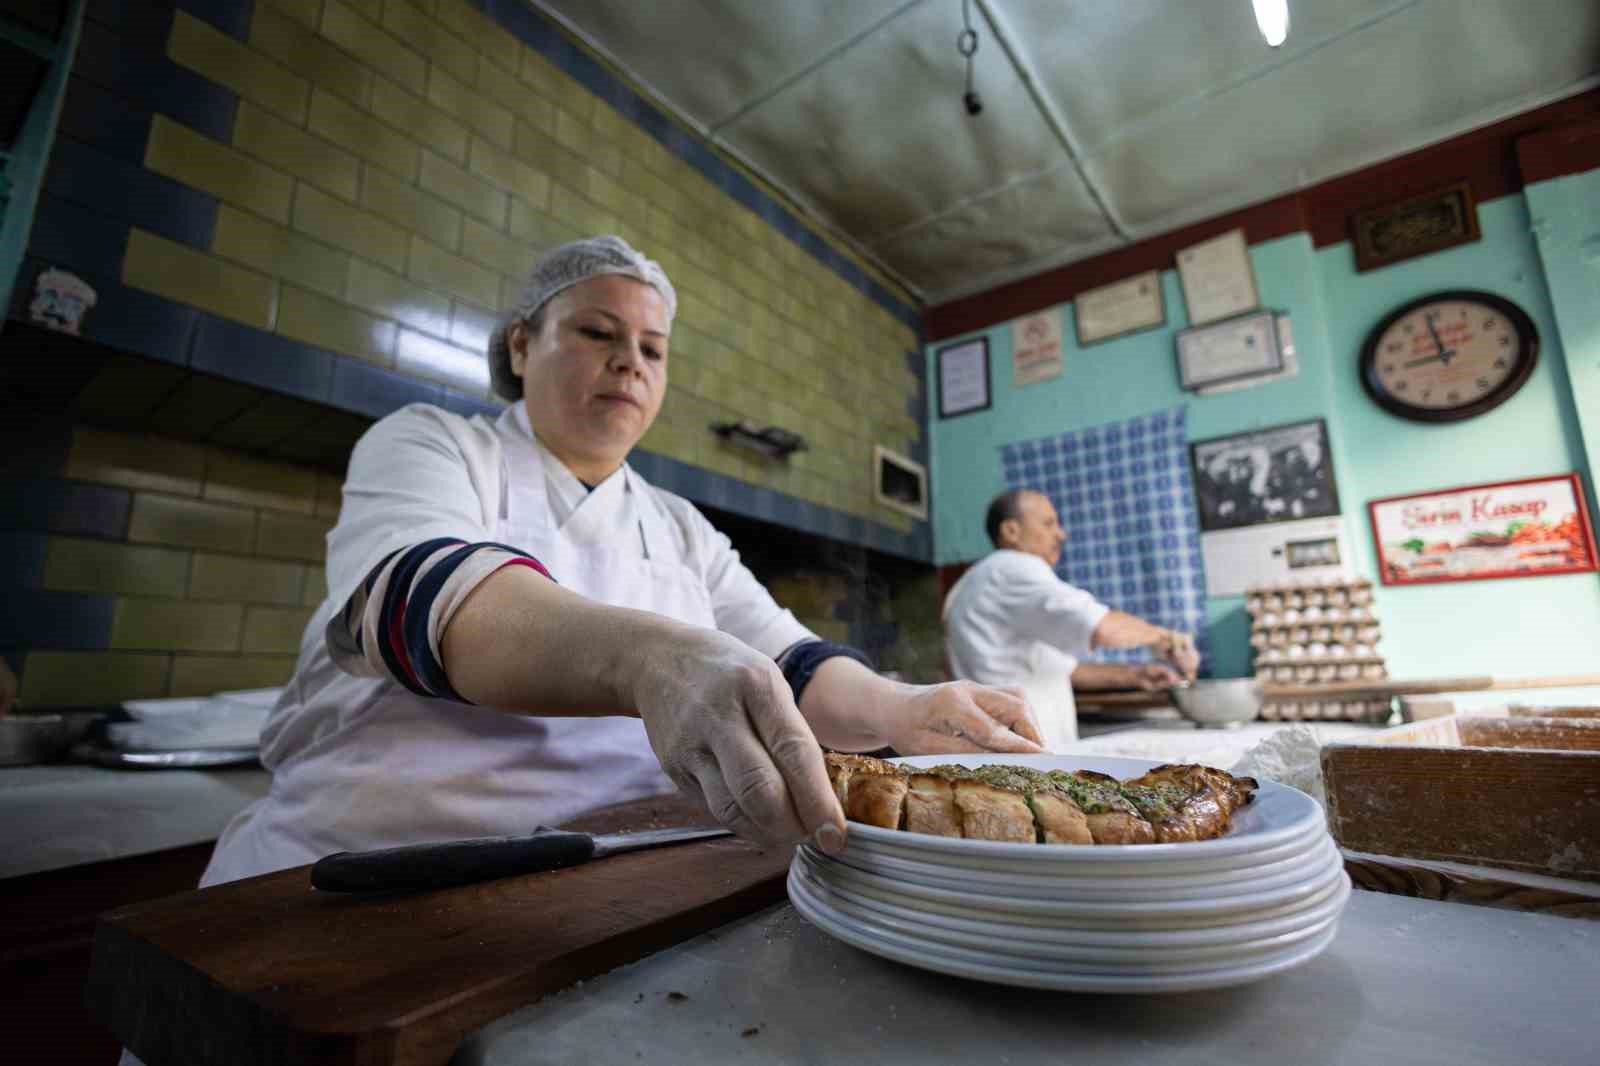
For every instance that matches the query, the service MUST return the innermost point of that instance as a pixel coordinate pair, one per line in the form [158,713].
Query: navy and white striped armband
[392,623]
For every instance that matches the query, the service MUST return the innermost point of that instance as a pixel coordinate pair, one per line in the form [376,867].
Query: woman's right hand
[724,724]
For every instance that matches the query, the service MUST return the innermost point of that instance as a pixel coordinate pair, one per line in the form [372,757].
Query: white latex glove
[961,716]
[724,724]
[1179,650]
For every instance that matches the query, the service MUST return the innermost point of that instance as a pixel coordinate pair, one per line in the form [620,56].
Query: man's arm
[1150,677]
[1118,629]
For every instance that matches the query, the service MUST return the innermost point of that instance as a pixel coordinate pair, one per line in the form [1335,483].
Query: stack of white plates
[1099,918]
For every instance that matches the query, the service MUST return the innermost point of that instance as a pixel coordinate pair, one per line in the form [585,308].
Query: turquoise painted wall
[1518,627]
[1566,225]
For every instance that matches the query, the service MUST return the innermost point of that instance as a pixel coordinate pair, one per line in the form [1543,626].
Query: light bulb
[1273,18]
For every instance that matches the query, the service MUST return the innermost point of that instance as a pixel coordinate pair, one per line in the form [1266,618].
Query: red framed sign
[1501,529]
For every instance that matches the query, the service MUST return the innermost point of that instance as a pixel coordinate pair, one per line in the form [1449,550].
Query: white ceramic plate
[962,963]
[1074,958]
[999,936]
[1146,884]
[1190,912]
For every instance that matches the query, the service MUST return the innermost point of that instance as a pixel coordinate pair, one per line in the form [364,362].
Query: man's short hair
[1002,508]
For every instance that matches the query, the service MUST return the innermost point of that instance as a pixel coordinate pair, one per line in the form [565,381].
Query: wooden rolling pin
[1423,687]
[1426,686]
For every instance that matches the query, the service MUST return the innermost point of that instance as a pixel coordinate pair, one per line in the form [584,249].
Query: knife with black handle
[460,862]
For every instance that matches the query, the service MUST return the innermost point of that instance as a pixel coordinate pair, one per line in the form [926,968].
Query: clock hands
[1444,353]
[1442,357]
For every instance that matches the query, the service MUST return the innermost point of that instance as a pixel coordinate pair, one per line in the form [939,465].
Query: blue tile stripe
[39,618]
[77,239]
[21,559]
[242,353]
[96,116]
[145,24]
[230,16]
[117,61]
[54,505]
[130,193]
[545,38]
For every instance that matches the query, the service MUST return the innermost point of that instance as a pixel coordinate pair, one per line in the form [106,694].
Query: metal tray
[199,758]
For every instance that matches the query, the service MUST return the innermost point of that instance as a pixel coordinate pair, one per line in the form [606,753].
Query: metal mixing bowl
[1224,704]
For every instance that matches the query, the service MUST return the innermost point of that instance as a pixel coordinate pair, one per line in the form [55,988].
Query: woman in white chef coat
[519,628]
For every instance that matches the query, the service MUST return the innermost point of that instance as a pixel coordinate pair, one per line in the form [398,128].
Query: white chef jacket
[1010,621]
[361,762]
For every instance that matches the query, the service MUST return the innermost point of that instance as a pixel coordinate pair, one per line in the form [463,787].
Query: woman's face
[594,375]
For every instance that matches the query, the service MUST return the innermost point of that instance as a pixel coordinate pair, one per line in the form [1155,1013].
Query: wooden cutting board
[268,971]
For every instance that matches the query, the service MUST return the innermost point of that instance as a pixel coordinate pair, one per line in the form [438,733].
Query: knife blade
[459,862]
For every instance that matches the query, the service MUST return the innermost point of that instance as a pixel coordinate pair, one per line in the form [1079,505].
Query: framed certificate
[1231,350]
[963,371]
[1218,280]
[1120,308]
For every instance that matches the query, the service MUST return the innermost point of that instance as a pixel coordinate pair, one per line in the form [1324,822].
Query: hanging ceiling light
[1273,18]
[967,45]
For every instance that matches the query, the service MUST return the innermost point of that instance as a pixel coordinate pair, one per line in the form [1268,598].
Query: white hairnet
[555,272]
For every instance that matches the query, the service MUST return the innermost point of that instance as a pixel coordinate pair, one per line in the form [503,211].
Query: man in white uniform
[1010,621]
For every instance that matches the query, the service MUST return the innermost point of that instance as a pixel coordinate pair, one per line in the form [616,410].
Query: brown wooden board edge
[1349,769]
[134,990]
[163,1025]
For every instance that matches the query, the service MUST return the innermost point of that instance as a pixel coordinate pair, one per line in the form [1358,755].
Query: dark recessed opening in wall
[52,376]
[771,550]
[883,604]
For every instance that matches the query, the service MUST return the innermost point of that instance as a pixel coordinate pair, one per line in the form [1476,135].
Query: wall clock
[1449,356]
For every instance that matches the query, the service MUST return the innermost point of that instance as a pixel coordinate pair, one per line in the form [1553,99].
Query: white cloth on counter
[1289,754]
[360,762]
[225,720]
[1010,621]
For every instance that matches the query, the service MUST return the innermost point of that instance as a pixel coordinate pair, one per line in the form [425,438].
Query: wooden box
[1515,793]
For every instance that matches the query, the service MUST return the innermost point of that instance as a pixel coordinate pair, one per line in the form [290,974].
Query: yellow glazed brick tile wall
[214,583]
[396,166]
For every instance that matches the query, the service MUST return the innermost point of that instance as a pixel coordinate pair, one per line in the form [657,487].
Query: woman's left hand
[961,716]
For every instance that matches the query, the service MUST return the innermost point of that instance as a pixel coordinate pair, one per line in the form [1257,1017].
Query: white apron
[1048,688]
[407,768]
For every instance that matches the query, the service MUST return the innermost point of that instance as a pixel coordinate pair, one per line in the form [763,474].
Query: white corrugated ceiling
[1104,121]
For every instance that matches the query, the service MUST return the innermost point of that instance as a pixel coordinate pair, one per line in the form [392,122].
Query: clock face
[1449,356]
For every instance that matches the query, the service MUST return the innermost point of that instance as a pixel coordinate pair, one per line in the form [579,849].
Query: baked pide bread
[1014,803]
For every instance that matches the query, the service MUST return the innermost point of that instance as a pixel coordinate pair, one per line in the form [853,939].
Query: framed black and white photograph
[1280,474]
[963,373]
